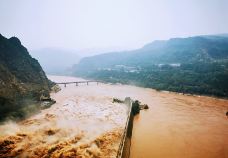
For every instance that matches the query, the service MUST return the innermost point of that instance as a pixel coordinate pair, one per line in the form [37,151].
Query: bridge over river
[176,125]
[78,82]
[125,142]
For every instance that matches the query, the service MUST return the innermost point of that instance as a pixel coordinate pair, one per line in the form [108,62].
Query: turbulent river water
[174,126]
[84,123]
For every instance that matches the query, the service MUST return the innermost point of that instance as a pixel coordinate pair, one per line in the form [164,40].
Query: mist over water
[172,45]
[175,125]
[84,122]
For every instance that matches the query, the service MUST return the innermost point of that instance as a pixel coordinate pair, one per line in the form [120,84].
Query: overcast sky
[125,24]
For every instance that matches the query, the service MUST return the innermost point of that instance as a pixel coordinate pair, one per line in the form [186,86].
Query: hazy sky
[125,24]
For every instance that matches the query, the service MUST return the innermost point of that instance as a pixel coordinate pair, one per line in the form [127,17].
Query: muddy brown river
[180,126]
[174,126]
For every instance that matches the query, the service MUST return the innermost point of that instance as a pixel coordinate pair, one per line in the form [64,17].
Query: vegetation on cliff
[22,80]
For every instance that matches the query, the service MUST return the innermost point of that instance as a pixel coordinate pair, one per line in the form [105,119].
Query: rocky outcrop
[22,80]
[136,105]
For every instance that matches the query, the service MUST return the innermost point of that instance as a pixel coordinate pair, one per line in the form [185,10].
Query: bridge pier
[65,85]
[87,83]
[76,83]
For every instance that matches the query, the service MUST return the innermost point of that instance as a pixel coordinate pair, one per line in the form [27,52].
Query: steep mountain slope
[190,65]
[176,50]
[22,79]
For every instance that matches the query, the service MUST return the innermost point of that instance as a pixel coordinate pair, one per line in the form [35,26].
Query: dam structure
[125,143]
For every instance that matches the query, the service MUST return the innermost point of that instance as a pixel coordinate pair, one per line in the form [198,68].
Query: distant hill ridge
[174,50]
[182,62]
[22,79]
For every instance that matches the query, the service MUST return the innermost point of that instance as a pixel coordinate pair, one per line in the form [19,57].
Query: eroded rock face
[22,79]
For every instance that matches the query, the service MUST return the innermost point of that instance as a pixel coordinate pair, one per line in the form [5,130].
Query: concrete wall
[125,145]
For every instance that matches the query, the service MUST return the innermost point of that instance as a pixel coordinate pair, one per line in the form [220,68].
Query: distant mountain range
[22,80]
[59,61]
[56,60]
[191,65]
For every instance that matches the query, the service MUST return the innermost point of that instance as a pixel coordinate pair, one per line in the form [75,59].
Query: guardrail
[125,144]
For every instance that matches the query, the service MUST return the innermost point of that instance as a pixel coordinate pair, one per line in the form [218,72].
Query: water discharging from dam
[86,122]
[83,123]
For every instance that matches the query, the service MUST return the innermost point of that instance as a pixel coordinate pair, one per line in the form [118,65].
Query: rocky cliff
[22,80]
